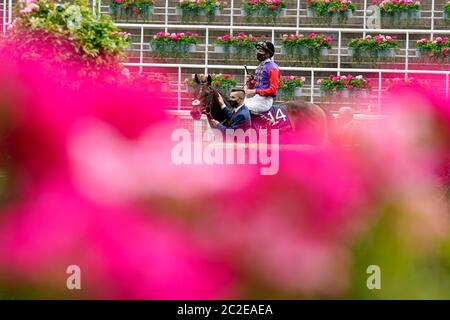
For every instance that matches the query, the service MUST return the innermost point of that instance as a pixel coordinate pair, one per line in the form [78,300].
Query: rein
[209,101]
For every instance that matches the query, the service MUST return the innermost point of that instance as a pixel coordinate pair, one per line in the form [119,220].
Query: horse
[206,102]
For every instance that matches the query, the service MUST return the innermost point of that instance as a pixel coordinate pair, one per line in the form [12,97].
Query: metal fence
[6,14]
[407,54]
[140,49]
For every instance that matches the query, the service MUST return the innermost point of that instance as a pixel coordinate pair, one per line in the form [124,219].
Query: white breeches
[258,104]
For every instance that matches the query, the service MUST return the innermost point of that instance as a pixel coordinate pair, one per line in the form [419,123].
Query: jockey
[265,85]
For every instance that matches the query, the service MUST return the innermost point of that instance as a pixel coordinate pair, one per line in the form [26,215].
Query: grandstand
[295,20]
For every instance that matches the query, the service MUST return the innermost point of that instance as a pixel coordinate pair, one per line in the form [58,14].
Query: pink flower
[146,257]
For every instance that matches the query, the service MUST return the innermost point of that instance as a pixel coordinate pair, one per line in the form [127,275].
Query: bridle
[206,108]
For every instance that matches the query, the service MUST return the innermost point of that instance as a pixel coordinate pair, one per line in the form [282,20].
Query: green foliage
[313,41]
[192,10]
[447,9]
[222,82]
[326,10]
[307,49]
[291,82]
[373,48]
[92,37]
[409,268]
[218,80]
[336,83]
[242,45]
[393,8]
[263,10]
[374,43]
[176,45]
[436,49]
[288,85]
[127,9]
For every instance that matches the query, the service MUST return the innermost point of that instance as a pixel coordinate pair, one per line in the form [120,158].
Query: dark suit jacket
[237,120]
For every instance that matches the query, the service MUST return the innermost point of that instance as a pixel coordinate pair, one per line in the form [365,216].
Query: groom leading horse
[210,101]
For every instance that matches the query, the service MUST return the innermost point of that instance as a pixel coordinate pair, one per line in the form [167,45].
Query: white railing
[340,51]
[144,58]
[339,31]
[314,91]
[298,12]
[6,15]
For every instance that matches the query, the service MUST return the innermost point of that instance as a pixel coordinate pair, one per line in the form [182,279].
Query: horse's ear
[197,80]
[209,79]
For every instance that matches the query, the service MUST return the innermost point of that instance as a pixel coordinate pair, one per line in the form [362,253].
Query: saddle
[275,118]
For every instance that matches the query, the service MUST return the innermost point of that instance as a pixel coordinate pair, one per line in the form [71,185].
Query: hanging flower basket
[131,10]
[298,92]
[344,85]
[372,48]
[447,11]
[436,49]
[327,11]
[202,13]
[399,10]
[222,82]
[306,49]
[410,14]
[192,10]
[173,45]
[261,13]
[265,11]
[397,84]
[241,46]
[422,52]
[345,93]
[172,48]
[218,48]
[313,13]
[291,87]
[290,93]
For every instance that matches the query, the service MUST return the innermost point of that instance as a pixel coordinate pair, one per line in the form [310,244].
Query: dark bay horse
[308,121]
[206,101]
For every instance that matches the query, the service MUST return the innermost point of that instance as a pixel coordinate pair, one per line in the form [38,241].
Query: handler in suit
[238,117]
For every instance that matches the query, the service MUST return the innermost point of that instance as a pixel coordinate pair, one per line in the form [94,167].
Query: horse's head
[203,97]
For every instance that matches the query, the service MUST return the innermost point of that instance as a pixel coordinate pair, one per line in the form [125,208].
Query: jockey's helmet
[267,46]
